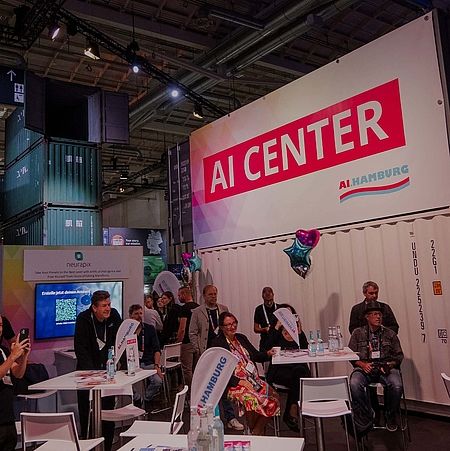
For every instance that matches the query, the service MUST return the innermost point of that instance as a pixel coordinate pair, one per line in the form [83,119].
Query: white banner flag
[211,376]
[289,322]
[128,327]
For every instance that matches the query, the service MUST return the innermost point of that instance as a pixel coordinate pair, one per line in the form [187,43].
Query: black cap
[373,306]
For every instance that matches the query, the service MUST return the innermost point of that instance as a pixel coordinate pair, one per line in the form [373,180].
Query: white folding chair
[326,397]
[57,430]
[125,412]
[171,361]
[161,427]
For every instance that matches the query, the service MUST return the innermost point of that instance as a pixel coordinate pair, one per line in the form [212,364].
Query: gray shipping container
[54,172]
[17,138]
[56,227]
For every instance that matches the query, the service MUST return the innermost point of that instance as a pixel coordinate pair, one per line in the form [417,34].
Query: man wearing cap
[357,316]
[380,356]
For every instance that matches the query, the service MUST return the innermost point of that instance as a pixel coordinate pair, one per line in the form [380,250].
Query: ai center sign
[12,88]
[362,138]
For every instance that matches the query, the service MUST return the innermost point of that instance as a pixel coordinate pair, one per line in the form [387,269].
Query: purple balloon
[308,237]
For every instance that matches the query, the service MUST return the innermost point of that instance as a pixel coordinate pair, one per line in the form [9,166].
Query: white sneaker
[235,424]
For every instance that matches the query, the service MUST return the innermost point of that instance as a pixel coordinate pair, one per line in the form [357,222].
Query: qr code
[65,310]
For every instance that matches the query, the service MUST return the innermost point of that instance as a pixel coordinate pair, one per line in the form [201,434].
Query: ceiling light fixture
[92,50]
[198,111]
[123,175]
[53,30]
[174,92]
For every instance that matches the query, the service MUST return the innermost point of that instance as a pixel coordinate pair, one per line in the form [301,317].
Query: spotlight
[53,30]
[198,111]
[135,68]
[174,92]
[92,50]
[121,189]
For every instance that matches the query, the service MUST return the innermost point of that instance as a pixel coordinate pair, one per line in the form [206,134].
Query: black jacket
[89,357]
[358,317]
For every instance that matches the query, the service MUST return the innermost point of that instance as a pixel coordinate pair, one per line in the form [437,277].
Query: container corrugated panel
[57,227]
[23,184]
[73,174]
[55,173]
[17,138]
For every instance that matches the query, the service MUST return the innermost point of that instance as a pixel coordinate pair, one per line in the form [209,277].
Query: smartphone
[24,334]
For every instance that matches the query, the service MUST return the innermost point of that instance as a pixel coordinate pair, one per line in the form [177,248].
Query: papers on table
[90,378]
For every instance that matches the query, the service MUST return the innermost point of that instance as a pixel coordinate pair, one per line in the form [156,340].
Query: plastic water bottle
[218,431]
[204,437]
[311,345]
[194,430]
[331,340]
[110,365]
[320,349]
[340,338]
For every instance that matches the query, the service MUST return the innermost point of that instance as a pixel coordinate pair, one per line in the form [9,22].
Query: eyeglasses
[229,325]
[375,313]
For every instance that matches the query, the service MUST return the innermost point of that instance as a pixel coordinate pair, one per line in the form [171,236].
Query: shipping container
[56,227]
[18,139]
[56,173]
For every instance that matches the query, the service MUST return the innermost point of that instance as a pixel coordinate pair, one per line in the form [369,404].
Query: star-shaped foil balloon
[299,256]
[195,262]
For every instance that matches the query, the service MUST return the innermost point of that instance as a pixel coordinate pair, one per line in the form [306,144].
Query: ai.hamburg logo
[382,181]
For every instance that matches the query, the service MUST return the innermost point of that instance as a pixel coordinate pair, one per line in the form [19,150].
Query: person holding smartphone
[12,363]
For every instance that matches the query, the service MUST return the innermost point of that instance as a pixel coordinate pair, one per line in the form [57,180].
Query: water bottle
[320,349]
[110,366]
[218,431]
[204,437]
[194,430]
[331,340]
[340,338]
[311,345]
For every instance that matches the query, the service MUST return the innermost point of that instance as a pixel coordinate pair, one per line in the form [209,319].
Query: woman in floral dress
[253,395]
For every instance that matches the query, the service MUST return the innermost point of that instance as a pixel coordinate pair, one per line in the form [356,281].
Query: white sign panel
[72,264]
[211,376]
[361,138]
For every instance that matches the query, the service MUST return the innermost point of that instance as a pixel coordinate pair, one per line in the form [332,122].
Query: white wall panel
[341,263]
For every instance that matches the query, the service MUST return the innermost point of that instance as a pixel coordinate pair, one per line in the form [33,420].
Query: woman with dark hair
[169,313]
[258,400]
[288,374]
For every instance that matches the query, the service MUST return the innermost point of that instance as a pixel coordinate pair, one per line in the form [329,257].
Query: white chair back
[38,427]
[177,414]
[324,389]
[171,352]
[446,380]
[127,390]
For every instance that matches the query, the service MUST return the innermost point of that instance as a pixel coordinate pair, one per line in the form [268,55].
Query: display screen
[57,305]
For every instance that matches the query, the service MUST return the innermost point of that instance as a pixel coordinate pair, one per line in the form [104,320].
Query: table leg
[96,413]
[318,421]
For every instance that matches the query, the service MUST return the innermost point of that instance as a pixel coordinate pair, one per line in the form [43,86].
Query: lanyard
[265,313]
[240,351]
[95,329]
[213,327]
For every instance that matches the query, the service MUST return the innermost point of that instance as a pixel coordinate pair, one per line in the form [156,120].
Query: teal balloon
[299,256]
[195,262]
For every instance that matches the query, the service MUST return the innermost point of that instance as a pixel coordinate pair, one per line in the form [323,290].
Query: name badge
[101,344]
[375,354]
[250,367]
[141,354]
[7,380]
[216,331]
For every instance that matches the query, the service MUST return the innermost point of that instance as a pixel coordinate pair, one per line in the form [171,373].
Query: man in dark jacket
[358,314]
[380,355]
[95,332]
